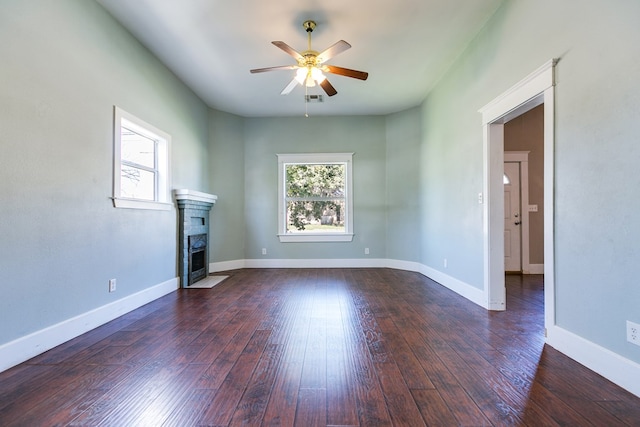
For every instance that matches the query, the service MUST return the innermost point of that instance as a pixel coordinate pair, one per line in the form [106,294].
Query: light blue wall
[403,138]
[64,65]
[226,165]
[265,138]
[386,179]
[451,178]
[597,151]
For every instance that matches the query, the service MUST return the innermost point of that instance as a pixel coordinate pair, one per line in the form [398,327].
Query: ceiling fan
[311,64]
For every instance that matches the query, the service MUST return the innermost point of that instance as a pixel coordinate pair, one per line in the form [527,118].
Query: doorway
[534,90]
[524,217]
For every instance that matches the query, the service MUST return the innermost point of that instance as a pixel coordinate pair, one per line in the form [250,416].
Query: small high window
[141,164]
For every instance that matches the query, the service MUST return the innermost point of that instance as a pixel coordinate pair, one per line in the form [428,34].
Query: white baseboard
[24,348]
[617,369]
[315,263]
[469,292]
[404,265]
[226,265]
[534,269]
[297,263]
[473,294]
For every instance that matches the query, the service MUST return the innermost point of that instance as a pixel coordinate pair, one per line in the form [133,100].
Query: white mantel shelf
[184,194]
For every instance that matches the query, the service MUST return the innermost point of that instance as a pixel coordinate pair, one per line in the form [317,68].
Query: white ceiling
[405,45]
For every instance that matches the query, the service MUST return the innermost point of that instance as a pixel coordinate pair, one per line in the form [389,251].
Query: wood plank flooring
[316,347]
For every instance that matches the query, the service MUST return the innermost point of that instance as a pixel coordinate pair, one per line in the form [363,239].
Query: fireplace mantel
[184,194]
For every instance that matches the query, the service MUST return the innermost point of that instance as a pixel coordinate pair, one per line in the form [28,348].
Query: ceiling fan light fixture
[309,76]
[301,75]
[317,75]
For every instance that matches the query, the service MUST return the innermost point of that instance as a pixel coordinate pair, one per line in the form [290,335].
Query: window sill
[319,237]
[141,204]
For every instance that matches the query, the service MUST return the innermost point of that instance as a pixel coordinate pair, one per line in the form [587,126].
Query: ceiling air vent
[313,98]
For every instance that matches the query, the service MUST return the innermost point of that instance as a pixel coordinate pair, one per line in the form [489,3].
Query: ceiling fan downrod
[309,26]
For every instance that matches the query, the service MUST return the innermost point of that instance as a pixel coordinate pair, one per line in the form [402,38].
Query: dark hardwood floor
[316,347]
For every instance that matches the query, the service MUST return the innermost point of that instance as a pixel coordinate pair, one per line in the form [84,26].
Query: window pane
[315,180]
[137,183]
[137,148]
[316,216]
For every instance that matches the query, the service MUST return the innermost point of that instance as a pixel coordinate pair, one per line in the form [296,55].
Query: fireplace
[193,235]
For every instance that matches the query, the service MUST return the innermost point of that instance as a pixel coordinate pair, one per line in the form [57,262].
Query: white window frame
[315,158]
[162,197]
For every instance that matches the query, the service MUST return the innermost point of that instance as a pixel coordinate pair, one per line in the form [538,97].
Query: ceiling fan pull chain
[306,101]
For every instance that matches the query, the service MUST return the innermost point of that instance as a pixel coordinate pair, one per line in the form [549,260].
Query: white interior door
[512,217]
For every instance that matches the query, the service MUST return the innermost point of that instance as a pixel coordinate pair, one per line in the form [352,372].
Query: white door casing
[533,90]
[512,218]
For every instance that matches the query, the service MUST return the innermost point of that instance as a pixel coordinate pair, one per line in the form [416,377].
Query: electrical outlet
[264,251]
[633,333]
[112,285]
[445,263]
[366,251]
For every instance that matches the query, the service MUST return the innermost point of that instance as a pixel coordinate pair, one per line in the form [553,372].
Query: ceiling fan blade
[289,87]
[328,87]
[291,51]
[333,50]
[361,75]
[280,67]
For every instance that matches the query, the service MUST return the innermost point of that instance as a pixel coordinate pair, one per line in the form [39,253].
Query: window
[141,164]
[315,198]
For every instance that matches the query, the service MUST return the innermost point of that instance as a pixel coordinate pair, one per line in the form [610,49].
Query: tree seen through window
[315,197]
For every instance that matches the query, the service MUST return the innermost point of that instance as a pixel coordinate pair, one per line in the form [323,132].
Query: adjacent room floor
[316,347]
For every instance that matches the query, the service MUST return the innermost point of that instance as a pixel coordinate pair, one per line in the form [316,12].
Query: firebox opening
[197,257]
[197,260]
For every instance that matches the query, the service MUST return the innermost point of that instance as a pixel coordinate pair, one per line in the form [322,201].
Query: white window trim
[315,158]
[162,198]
